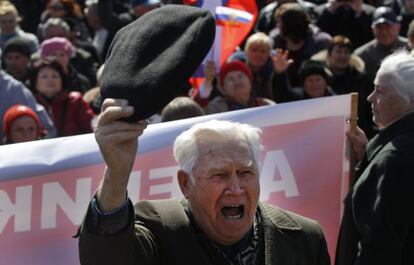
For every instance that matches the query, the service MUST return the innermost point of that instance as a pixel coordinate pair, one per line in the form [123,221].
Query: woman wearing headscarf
[62,50]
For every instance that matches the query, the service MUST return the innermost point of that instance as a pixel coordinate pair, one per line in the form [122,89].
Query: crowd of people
[296,50]
[53,56]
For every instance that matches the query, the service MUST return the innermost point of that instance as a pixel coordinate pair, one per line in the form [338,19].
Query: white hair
[186,148]
[399,68]
[55,22]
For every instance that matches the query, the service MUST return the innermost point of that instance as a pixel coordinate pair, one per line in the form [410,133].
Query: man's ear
[184,182]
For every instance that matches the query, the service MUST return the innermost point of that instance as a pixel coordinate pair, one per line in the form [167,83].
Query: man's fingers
[360,131]
[113,113]
[122,136]
[120,126]
[118,132]
[108,102]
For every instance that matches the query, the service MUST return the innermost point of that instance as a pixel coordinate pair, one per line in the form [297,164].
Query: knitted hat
[56,44]
[17,111]
[235,66]
[312,67]
[19,45]
[152,58]
[144,2]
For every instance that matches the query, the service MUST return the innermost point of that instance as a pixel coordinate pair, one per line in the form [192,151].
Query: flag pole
[353,123]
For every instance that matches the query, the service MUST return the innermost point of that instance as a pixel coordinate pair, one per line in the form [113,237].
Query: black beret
[17,44]
[151,59]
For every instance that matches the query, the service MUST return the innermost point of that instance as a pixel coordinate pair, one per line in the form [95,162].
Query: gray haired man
[220,221]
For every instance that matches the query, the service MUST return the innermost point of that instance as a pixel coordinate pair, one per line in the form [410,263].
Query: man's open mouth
[233,212]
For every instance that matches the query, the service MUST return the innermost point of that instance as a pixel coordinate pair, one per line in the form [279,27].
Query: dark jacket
[262,81]
[378,221]
[85,64]
[406,18]
[75,81]
[266,20]
[344,21]
[163,235]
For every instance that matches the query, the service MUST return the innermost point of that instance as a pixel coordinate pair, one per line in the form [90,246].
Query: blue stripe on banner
[228,18]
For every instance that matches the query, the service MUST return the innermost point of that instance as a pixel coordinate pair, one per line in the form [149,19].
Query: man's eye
[218,176]
[246,173]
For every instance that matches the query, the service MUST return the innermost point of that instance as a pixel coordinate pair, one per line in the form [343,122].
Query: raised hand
[281,61]
[118,142]
[210,71]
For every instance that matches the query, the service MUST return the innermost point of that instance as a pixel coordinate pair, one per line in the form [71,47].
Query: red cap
[235,66]
[17,111]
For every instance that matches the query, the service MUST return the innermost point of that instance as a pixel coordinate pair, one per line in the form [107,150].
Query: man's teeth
[233,211]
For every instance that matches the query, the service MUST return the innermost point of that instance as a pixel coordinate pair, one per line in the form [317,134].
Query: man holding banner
[378,222]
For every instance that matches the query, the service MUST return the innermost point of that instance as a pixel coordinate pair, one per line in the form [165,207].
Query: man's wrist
[112,192]
[100,211]
[109,223]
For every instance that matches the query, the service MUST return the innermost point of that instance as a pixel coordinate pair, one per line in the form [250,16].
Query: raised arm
[118,142]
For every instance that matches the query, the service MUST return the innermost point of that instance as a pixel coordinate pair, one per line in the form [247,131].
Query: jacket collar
[402,125]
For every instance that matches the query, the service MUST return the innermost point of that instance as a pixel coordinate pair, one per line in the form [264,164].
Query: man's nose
[234,187]
[370,97]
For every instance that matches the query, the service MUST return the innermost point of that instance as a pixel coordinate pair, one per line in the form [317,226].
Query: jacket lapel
[279,247]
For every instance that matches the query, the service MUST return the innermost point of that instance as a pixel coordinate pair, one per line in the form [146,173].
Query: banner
[45,186]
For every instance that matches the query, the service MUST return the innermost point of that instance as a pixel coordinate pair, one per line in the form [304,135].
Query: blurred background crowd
[52,55]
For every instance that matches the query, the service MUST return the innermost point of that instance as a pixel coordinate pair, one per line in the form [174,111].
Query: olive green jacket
[162,234]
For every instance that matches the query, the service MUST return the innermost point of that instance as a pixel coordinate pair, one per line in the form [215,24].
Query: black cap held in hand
[151,59]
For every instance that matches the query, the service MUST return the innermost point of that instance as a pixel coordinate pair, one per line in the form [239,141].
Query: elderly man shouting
[220,221]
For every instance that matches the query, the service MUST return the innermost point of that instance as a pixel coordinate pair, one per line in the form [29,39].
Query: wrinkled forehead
[234,147]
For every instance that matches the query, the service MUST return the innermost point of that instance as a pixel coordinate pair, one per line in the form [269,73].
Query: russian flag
[234,21]
[226,16]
